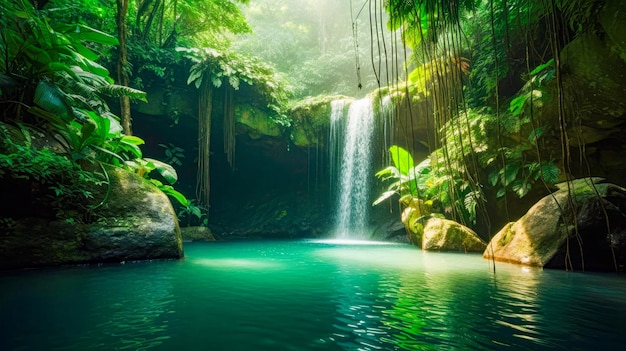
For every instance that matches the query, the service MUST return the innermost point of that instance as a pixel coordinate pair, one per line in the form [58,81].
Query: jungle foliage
[464,62]
[52,85]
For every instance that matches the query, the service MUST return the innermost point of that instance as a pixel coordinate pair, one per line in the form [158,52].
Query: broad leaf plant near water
[52,86]
[488,141]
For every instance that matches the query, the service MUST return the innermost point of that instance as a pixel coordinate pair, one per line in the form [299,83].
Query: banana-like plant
[48,73]
[409,181]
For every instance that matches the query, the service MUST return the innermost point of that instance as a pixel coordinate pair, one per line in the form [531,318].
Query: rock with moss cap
[136,223]
[311,119]
[582,226]
[442,234]
[432,231]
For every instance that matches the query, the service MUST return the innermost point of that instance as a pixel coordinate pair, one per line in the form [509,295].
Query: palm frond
[115,90]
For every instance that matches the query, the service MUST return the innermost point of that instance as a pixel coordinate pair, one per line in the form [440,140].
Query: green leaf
[91,35]
[501,192]
[167,171]
[550,172]
[542,67]
[388,172]
[535,134]
[133,140]
[6,81]
[517,104]
[58,66]
[194,74]
[493,178]
[383,197]
[170,191]
[49,97]
[115,90]
[520,187]
[402,159]
[508,174]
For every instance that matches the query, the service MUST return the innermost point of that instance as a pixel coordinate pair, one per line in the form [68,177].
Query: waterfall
[355,171]
[335,147]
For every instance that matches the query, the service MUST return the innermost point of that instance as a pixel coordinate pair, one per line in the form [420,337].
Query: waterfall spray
[355,171]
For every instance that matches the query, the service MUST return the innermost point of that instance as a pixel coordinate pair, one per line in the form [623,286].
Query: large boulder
[581,226]
[136,223]
[430,231]
[442,234]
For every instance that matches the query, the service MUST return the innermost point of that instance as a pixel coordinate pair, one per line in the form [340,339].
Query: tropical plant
[50,182]
[408,180]
[173,154]
[171,23]
[51,79]
[193,215]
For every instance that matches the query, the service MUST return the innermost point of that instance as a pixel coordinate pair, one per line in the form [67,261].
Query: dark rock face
[137,223]
[581,227]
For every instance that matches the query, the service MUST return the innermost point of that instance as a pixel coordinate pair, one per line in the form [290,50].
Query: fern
[550,172]
[114,90]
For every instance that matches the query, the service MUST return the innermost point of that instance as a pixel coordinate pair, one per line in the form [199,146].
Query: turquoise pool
[311,295]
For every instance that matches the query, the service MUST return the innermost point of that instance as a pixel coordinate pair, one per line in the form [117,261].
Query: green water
[311,295]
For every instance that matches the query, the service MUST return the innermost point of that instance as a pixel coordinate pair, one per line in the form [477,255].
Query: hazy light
[236,262]
[350,242]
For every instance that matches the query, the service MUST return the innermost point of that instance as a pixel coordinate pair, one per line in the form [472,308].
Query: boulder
[581,226]
[136,223]
[431,231]
[196,233]
[442,234]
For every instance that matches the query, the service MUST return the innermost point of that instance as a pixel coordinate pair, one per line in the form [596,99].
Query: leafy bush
[50,183]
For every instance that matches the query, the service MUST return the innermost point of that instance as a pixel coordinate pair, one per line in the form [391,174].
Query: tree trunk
[122,64]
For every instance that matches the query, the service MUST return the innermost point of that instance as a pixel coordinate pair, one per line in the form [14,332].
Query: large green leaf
[49,97]
[91,35]
[165,170]
[114,90]
[6,81]
[402,159]
[383,197]
[169,190]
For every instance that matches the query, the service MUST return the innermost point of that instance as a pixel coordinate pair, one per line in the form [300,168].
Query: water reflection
[311,296]
[75,309]
[434,301]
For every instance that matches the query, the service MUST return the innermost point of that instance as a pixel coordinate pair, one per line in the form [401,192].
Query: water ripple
[311,296]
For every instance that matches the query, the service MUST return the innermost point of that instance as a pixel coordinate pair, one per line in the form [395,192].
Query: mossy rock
[311,119]
[412,217]
[255,122]
[568,229]
[446,235]
[136,223]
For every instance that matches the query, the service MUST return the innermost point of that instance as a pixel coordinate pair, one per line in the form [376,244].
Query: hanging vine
[210,70]
[229,125]
[205,107]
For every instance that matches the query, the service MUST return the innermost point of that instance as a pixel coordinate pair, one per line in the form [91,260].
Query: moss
[507,236]
[311,119]
[256,122]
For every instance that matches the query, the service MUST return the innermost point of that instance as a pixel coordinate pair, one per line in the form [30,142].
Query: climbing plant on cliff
[211,69]
[515,53]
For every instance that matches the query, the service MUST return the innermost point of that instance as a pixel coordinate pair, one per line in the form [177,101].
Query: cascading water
[336,139]
[355,171]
